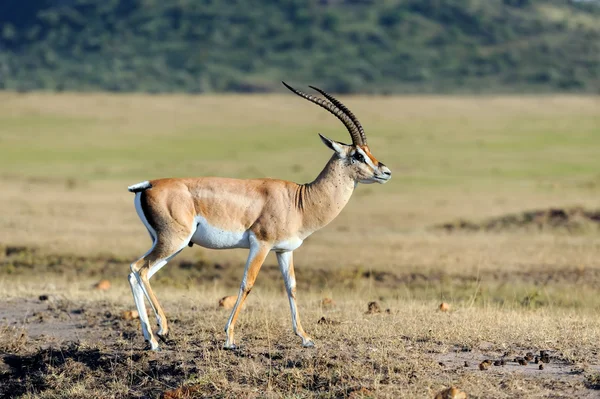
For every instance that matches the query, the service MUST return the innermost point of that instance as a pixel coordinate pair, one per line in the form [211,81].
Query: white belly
[212,237]
[215,238]
[287,245]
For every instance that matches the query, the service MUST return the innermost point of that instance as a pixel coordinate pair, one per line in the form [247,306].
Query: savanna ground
[514,284]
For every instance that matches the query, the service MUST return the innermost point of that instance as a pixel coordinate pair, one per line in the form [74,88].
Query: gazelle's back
[224,210]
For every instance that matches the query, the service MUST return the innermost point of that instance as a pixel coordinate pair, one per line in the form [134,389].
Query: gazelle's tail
[136,188]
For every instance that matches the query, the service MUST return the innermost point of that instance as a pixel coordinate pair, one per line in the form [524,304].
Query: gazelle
[262,215]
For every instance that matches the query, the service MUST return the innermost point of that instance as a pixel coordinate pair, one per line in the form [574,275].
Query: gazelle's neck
[323,199]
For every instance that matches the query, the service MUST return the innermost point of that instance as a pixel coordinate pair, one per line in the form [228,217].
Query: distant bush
[344,45]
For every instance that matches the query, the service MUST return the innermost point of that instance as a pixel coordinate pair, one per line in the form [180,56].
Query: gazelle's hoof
[230,347]
[308,344]
[165,339]
[152,346]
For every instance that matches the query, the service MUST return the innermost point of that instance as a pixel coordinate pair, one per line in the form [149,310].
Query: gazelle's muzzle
[384,174]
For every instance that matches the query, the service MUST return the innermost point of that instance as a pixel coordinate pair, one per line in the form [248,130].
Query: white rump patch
[138,208]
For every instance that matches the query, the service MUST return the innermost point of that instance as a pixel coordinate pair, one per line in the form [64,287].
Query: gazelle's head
[360,164]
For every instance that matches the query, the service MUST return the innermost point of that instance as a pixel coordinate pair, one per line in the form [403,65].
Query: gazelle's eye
[359,157]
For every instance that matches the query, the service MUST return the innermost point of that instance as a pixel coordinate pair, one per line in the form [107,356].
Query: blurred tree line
[373,46]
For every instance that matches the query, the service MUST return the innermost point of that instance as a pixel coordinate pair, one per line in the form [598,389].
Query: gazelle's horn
[335,110]
[341,106]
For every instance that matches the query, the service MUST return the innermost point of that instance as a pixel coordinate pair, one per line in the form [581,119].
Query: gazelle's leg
[143,277]
[286,265]
[163,331]
[138,297]
[156,259]
[138,292]
[258,253]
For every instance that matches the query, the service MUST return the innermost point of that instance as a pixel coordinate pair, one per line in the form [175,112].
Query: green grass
[472,141]
[451,157]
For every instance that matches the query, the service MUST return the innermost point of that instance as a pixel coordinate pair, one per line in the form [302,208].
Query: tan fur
[272,209]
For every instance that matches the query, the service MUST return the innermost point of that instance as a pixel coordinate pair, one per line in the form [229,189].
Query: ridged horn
[346,110]
[335,110]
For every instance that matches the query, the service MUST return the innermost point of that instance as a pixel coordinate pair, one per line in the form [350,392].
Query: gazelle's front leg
[286,265]
[258,253]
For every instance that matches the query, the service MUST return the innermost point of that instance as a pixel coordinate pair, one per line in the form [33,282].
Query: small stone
[466,364]
[541,367]
[361,393]
[323,320]
[444,307]
[327,303]
[227,302]
[451,393]
[484,365]
[102,285]
[373,307]
[130,314]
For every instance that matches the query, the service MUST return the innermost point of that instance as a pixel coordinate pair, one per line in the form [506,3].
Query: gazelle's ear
[334,145]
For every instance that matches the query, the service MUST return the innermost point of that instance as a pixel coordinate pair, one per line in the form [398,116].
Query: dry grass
[390,354]
[65,161]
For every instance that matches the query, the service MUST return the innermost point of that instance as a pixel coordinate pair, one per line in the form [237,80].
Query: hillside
[393,46]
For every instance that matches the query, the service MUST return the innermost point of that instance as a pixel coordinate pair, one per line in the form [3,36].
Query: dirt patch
[554,366]
[183,273]
[572,220]
[56,320]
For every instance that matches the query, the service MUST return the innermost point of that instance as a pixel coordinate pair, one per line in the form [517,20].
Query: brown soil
[15,261]
[557,367]
[571,220]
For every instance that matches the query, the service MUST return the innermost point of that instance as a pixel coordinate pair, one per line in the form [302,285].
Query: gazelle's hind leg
[146,267]
[138,297]
[171,239]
